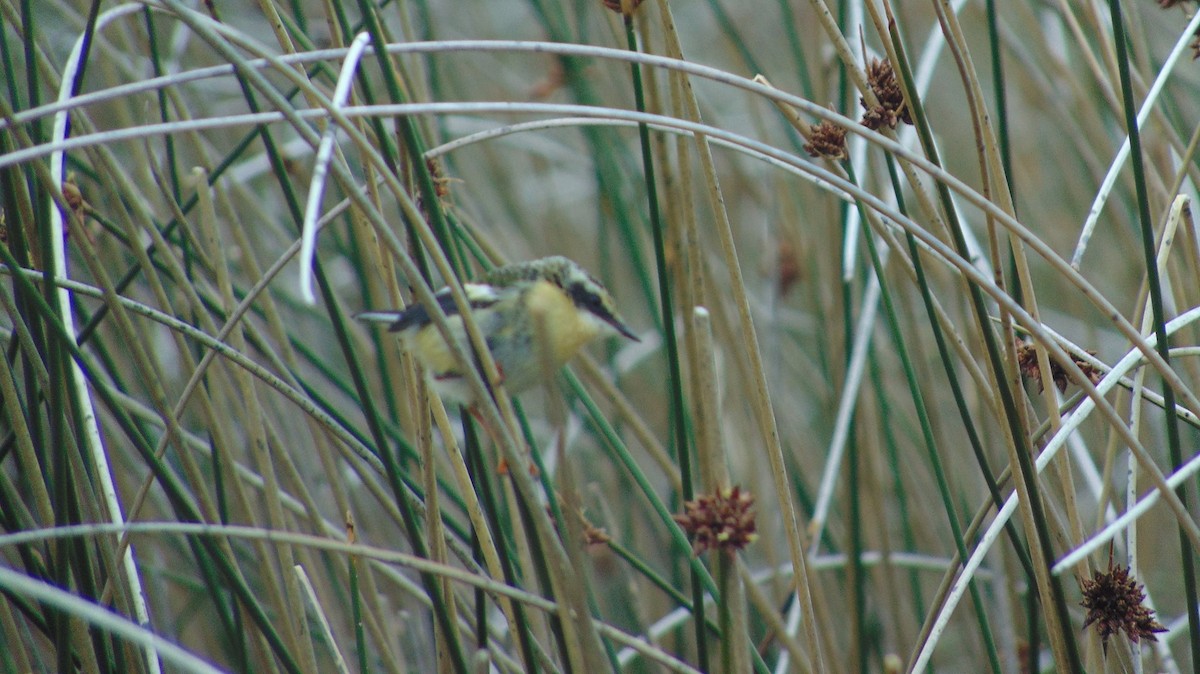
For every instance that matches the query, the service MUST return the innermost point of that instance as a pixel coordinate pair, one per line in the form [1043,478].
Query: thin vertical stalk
[675,383]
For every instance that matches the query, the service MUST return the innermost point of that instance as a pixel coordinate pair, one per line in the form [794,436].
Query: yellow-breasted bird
[507,303]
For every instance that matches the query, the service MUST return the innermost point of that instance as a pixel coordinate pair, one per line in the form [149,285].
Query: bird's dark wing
[417,316]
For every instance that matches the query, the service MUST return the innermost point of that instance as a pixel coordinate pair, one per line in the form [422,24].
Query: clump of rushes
[721,521]
[828,140]
[1027,361]
[891,109]
[1113,600]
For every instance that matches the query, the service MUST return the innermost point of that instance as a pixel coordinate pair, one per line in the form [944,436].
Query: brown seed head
[621,6]
[790,269]
[594,535]
[723,521]
[441,184]
[1113,600]
[73,196]
[1027,362]
[828,140]
[891,109]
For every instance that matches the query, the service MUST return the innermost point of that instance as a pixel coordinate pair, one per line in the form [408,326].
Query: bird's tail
[378,316]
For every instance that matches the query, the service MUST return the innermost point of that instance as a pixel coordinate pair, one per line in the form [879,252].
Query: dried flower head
[554,80]
[723,521]
[73,196]
[351,529]
[441,184]
[1113,600]
[622,6]
[1027,361]
[1169,4]
[592,534]
[828,140]
[790,269]
[1025,658]
[891,109]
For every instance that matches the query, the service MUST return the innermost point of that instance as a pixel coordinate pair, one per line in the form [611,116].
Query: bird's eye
[589,300]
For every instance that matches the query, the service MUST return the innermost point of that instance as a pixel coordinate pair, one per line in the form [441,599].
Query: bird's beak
[620,327]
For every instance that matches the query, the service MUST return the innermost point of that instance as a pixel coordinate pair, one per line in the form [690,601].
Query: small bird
[506,305]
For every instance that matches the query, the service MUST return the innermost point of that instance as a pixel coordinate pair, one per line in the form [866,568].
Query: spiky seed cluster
[721,521]
[1027,361]
[1113,600]
[891,109]
[828,140]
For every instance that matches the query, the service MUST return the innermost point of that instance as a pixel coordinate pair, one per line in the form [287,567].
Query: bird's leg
[494,435]
[491,433]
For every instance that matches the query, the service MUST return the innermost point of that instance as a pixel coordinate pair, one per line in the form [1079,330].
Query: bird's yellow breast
[433,352]
[525,324]
[566,327]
